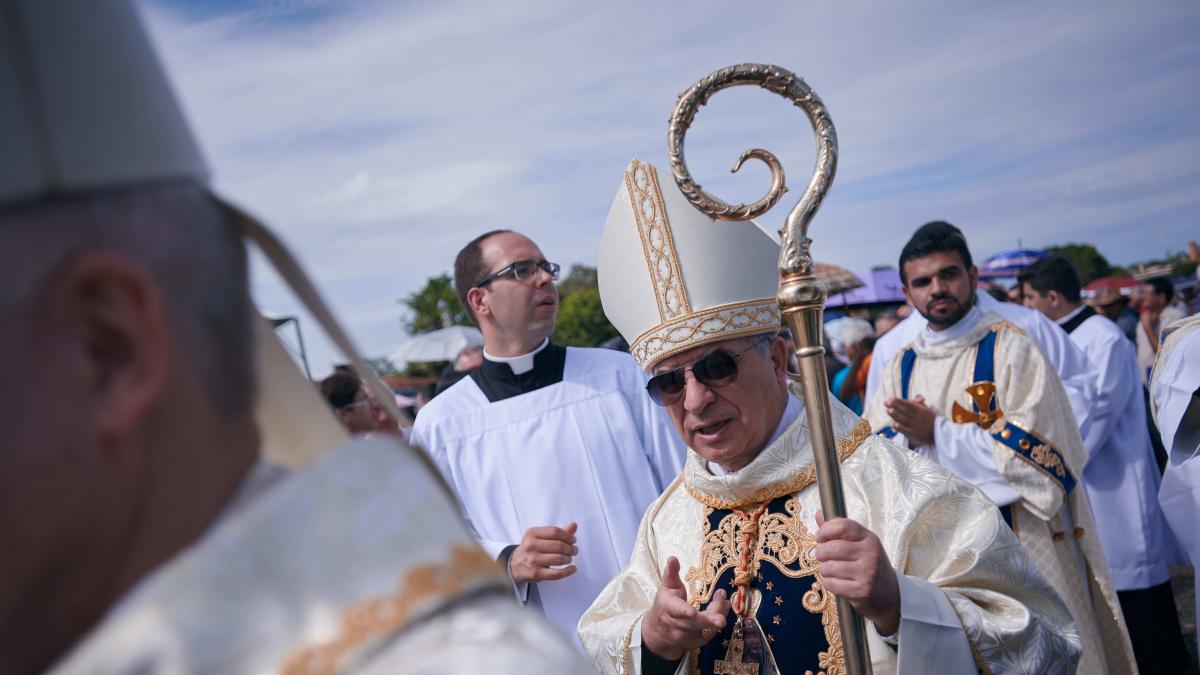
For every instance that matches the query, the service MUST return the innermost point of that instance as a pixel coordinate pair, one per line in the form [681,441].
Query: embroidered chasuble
[357,564]
[970,596]
[1005,424]
[575,439]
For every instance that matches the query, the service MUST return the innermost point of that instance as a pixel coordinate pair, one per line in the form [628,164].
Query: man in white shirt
[1157,314]
[1121,476]
[1066,359]
[554,452]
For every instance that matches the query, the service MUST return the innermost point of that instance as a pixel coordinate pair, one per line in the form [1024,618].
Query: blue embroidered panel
[906,368]
[794,635]
[1040,453]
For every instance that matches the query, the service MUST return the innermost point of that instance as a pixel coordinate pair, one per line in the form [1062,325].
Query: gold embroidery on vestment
[784,542]
[380,617]
[800,480]
[723,322]
[658,244]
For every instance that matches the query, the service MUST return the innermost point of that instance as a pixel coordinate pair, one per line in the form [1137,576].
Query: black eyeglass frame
[546,266]
[666,399]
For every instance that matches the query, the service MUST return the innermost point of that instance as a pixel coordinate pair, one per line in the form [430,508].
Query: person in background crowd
[469,358]
[1158,312]
[1009,431]
[1121,476]
[351,403]
[1013,295]
[885,322]
[1110,303]
[855,338]
[554,451]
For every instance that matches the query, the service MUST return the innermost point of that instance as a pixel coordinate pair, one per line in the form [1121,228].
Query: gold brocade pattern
[696,328]
[783,541]
[658,245]
[800,480]
[1045,456]
[379,617]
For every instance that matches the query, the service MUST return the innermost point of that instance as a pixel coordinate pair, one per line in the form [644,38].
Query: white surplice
[1122,477]
[970,595]
[1174,391]
[592,449]
[1055,526]
[358,564]
[1064,356]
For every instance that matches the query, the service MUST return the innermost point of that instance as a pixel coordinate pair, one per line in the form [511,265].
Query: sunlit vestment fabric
[1064,356]
[970,595]
[593,449]
[1173,392]
[358,564]
[1056,528]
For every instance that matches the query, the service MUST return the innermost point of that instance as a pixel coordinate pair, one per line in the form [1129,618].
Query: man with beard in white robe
[1064,356]
[1121,476]
[553,451]
[141,531]
[1175,400]
[976,395]
[734,569]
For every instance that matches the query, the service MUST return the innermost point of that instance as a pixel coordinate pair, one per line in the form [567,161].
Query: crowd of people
[553,509]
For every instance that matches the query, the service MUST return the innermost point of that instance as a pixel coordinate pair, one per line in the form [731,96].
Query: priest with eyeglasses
[735,569]
[554,452]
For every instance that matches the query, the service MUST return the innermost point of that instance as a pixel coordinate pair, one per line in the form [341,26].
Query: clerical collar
[1073,320]
[520,364]
[505,377]
[933,338]
[790,412]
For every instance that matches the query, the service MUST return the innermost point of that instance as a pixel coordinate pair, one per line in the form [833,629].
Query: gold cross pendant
[983,394]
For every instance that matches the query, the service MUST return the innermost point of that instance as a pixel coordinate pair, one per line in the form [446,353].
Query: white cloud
[378,137]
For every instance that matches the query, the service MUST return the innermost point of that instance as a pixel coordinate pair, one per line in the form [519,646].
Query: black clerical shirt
[498,382]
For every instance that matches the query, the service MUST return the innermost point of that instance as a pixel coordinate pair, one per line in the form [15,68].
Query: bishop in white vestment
[727,574]
[1175,397]
[992,410]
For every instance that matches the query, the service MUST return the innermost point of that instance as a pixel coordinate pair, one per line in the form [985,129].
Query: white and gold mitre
[672,278]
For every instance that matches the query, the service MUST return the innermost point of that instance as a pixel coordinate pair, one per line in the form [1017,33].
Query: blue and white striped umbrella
[1009,264]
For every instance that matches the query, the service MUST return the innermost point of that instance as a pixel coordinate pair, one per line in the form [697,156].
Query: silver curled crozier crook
[801,295]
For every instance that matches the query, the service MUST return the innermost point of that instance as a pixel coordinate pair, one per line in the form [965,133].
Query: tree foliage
[581,320]
[434,307]
[383,366]
[1089,263]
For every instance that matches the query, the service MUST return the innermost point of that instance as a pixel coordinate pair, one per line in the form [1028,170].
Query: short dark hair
[469,270]
[1054,273]
[934,237]
[340,388]
[1162,286]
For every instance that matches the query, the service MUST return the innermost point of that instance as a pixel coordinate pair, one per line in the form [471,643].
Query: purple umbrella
[1009,264]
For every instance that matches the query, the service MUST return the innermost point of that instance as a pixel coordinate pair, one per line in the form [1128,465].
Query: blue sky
[377,137]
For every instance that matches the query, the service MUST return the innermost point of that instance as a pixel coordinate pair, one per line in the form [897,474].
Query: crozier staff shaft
[801,295]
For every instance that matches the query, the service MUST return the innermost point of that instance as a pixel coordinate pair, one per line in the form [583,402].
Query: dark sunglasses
[522,270]
[716,369]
